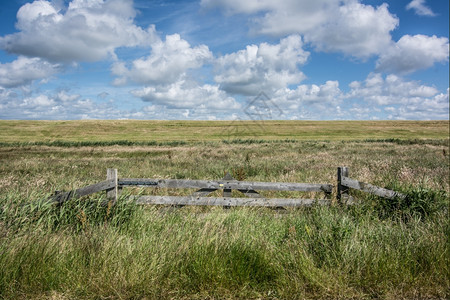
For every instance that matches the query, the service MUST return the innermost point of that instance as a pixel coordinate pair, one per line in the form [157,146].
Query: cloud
[168,62]
[85,31]
[165,74]
[412,53]
[64,105]
[349,27]
[185,94]
[436,108]
[261,68]
[237,6]
[23,71]
[356,29]
[420,8]
[327,93]
[403,99]
[58,106]
[310,101]
[390,90]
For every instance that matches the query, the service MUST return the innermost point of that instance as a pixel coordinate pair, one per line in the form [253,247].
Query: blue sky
[210,60]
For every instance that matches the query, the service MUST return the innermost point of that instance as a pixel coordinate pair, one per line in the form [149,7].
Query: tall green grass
[86,249]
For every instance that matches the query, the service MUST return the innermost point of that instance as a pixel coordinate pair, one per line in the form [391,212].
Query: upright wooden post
[112,194]
[342,191]
[227,192]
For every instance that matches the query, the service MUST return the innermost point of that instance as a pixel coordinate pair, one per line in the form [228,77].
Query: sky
[224,59]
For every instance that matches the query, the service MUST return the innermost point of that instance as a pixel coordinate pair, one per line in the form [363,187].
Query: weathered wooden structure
[113,186]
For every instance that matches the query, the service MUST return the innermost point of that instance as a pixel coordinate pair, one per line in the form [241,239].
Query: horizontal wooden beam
[369,188]
[223,184]
[84,191]
[226,201]
[94,188]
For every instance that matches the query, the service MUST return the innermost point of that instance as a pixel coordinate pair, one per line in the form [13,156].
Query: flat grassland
[380,249]
[188,131]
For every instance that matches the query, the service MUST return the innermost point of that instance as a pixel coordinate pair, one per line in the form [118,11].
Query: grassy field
[83,250]
[188,131]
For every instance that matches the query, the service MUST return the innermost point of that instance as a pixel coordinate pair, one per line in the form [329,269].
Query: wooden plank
[84,191]
[94,188]
[342,191]
[227,201]
[250,193]
[139,182]
[369,188]
[221,184]
[113,193]
[226,191]
[61,197]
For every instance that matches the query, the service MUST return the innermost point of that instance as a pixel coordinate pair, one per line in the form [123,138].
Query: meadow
[380,249]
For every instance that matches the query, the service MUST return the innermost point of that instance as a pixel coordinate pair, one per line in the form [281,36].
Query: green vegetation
[87,249]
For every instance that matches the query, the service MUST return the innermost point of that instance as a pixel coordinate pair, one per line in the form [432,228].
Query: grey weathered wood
[113,193]
[228,201]
[140,182]
[61,197]
[227,178]
[224,184]
[342,191]
[94,188]
[250,193]
[84,191]
[369,188]
[227,192]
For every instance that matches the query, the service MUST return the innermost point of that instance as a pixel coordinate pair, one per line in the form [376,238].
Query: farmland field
[188,131]
[379,249]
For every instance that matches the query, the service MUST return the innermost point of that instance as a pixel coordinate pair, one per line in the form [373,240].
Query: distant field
[144,131]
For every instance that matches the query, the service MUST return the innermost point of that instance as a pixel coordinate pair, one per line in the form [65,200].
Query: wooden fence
[113,186]
[344,183]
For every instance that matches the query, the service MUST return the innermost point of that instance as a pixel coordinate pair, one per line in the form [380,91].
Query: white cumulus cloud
[84,31]
[420,8]
[348,26]
[262,68]
[168,62]
[311,94]
[412,53]
[62,105]
[355,29]
[389,90]
[24,70]
[186,94]
[310,101]
[403,99]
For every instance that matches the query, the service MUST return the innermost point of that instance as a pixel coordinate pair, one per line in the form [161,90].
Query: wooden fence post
[227,192]
[342,191]
[113,193]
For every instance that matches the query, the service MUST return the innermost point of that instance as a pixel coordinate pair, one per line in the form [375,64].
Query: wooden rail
[113,186]
[226,184]
[229,201]
[344,183]
[61,197]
